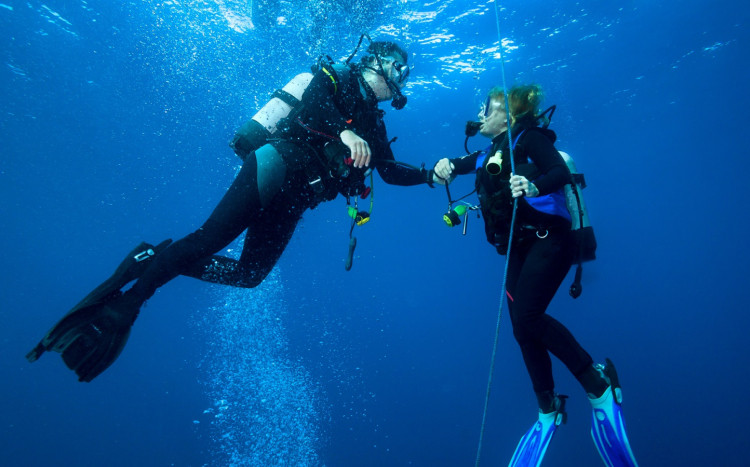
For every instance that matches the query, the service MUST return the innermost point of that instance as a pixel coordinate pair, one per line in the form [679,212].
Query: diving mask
[400,69]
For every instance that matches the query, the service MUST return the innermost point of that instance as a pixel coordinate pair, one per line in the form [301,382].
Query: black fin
[93,333]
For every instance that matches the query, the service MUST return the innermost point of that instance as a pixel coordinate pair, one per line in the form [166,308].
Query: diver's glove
[428,176]
[443,172]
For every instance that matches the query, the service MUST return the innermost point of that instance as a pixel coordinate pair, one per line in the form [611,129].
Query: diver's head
[492,116]
[393,59]
[384,48]
[523,100]
[386,71]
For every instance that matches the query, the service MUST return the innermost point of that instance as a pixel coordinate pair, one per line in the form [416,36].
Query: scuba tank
[278,108]
[583,232]
[260,128]
[573,194]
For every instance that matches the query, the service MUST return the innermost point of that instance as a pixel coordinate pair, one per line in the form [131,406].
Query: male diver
[325,145]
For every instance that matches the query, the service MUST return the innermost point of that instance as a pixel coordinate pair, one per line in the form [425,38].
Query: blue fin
[608,425]
[530,450]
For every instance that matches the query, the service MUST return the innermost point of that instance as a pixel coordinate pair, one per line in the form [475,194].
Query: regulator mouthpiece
[472,128]
[399,101]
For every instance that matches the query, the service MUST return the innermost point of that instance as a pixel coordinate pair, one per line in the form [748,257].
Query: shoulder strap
[518,137]
[338,74]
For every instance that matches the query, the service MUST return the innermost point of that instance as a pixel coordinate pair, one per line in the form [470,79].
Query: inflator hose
[576,288]
[350,256]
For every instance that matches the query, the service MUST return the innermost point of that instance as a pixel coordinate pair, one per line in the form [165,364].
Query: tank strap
[286,98]
[579,179]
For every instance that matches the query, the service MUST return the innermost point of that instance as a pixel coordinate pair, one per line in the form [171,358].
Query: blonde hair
[524,100]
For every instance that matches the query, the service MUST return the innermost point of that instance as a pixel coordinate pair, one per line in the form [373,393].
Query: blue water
[114,127]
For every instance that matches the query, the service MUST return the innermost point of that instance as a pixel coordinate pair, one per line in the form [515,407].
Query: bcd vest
[543,213]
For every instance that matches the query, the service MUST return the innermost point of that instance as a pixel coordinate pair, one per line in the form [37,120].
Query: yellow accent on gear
[333,80]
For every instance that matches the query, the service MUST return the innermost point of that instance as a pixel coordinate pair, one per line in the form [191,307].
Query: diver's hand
[521,186]
[443,172]
[359,148]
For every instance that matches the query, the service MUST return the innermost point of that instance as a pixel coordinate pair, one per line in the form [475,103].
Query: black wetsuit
[538,263]
[277,184]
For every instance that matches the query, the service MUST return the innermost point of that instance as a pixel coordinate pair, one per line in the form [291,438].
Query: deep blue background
[114,124]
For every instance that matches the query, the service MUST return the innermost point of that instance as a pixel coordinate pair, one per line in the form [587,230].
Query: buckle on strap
[144,255]
[536,230]
[316,183]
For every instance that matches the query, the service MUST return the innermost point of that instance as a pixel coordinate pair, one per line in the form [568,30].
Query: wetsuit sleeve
[555,173]
[397,173]
[319,100]
[466,164]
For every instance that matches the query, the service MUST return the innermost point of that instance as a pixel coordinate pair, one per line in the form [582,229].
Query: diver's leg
[543,270]
[267,236]
[527,280]
[546,266]
[258,181]
[265,241]
[535,355]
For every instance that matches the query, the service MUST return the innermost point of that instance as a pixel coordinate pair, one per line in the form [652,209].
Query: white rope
[510,244]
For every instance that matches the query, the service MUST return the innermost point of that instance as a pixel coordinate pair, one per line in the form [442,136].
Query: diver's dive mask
[400,69]
[484,109]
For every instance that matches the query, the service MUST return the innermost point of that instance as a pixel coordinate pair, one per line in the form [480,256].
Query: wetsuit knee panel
[271,173]
[251,136]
